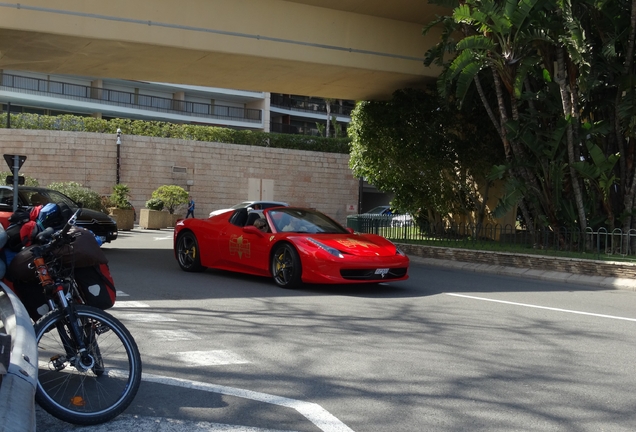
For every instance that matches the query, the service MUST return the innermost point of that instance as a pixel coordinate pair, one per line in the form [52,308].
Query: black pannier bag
[31,294]
[84,253]
[96,285]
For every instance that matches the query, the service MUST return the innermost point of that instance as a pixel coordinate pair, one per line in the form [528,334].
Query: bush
[172,196]
[154,204]
[80,194]
[180,131]
[119,197]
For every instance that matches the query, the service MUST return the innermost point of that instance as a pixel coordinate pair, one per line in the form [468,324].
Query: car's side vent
[176,169]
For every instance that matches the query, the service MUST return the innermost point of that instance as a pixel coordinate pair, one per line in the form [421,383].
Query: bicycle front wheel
[87,389]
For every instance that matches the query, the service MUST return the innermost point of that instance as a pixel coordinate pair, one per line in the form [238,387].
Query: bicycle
[89,363]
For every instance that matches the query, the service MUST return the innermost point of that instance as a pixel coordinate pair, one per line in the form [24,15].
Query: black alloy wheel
[285,266]
[188,253]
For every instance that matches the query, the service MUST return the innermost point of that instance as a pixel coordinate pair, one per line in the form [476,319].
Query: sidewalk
[554,276]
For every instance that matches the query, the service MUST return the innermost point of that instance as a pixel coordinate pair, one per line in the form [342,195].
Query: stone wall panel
[218,172]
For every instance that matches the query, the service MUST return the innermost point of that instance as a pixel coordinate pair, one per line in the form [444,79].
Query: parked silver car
[245,204]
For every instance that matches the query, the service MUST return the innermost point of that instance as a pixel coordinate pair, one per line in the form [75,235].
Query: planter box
[174,218]
[125,218]
[152,219]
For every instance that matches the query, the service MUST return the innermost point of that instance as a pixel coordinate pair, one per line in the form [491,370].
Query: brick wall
[217,175]
[537,262]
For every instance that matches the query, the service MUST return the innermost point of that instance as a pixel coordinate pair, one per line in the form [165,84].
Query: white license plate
[381,271]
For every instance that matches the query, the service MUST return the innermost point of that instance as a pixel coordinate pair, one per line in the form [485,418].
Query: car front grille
[370,274]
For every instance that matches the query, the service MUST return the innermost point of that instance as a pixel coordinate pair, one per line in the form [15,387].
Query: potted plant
[120,208]
[152,217]
[173,197]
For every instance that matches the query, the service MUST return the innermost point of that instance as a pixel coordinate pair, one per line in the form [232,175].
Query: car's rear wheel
[285,266]
[188,253]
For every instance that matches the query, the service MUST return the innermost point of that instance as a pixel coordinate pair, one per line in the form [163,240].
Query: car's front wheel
[188,253]
[285,266]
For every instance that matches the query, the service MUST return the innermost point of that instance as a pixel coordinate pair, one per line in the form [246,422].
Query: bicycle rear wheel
[94,390]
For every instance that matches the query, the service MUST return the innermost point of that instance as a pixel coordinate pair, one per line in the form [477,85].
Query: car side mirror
[351,230]
[253,230]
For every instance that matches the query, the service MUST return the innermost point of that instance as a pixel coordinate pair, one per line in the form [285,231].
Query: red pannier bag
[97,286]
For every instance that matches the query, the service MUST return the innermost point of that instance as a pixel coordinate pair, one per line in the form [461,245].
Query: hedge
[70,123]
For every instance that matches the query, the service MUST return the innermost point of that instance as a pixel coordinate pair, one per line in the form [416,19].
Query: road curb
[548,275]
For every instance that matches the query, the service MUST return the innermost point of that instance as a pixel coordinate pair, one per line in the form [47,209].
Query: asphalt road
[445,351]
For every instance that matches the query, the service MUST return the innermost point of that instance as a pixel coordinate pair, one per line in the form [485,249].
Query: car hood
[89,215]
[358,245]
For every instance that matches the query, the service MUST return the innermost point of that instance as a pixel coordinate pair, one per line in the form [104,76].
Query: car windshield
[304,221]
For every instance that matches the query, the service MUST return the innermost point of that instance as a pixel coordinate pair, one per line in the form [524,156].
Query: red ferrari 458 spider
[291,245]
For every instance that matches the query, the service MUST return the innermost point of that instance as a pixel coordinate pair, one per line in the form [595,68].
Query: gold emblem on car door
[240,246]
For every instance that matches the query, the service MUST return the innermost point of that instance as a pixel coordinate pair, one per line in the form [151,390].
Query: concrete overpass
[345,49]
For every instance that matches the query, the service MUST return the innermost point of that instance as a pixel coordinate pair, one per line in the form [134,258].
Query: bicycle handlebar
[49,238]
[70,222]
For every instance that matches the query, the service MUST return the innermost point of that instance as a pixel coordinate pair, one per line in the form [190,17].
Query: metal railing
[82,93]
[594,244]
[294,104]
[291,129]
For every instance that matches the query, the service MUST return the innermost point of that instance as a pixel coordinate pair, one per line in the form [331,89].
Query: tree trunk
[629,189]
[566,101]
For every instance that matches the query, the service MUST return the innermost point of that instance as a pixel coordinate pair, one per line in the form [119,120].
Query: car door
[6,206]
[243,250]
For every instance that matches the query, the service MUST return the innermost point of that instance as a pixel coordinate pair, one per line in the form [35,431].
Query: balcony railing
[293,104]
[82,93]
[291,129]
[593,244]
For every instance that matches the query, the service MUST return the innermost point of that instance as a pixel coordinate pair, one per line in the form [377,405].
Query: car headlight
[398,251]
[333,251]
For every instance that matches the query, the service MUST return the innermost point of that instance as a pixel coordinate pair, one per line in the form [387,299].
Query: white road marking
[130,304]
[544,307]
[149,317]
[163,238]
[122,294]
[316,414]
[209,358]
[174,335]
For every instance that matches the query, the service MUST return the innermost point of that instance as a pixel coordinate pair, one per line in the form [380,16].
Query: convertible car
[292,246]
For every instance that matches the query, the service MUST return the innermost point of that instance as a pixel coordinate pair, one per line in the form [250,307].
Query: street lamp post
[118,153]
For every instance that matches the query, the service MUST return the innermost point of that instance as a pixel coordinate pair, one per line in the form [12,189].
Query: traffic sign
[9,180]
[11,160]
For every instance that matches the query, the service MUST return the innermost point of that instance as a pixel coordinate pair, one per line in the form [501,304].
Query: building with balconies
[28,92]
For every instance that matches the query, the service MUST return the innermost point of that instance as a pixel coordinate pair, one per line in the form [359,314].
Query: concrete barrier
[20,375]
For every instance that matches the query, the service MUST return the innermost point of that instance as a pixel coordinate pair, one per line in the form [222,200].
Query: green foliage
[178,131]
[321,128]
[425,152]
[120,197]
[549,68]
[28,181]
[172,196]
[154,204]
[336,129]
[80,194]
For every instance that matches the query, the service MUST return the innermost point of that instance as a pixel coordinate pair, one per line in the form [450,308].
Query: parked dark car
[397,219]
[99,223]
